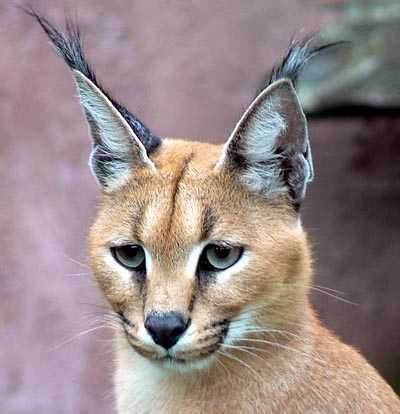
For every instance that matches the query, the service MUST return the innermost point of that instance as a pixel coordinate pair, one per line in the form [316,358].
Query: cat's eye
[221,257]
[131,256]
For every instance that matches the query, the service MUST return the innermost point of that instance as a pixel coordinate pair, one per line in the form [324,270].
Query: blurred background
[187,69]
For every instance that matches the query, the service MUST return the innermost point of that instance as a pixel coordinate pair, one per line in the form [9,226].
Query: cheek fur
[114,281]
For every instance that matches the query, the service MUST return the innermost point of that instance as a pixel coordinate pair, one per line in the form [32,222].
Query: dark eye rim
[204,263]
[141,268]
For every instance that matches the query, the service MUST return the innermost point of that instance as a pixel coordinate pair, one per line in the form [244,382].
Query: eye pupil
[222,252]
[130,251]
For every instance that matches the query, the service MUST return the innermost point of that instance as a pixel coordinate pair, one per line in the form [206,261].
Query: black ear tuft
[299,53]
[69,47]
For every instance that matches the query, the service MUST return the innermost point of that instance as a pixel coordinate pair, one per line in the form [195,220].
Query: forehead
[184,202]
[172,205]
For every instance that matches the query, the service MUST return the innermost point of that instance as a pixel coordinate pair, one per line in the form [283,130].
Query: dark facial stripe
[192,301]
[175,191]
[135,227]
[125,320]
[208,223]
[136,221]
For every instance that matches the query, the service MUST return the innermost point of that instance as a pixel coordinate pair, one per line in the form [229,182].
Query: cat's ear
[268,150]
[117,149]
[121,143]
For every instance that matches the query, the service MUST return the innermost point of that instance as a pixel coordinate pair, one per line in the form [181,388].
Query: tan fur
[310,371]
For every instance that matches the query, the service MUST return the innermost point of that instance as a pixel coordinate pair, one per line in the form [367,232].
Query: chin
[185,366]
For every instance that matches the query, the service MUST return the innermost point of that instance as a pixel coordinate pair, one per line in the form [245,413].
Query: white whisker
[228,355]
[332,295]
[77,274]
[244,349]
[67,341]
[75,261]
[328,288]
[106,321]
[288,335]
[223,366]
[278,345]
[321,289]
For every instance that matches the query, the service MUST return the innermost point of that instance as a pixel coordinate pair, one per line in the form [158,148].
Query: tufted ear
[269,149]
[117,150]
[121,143]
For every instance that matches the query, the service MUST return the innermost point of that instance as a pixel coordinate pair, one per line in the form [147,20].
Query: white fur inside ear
[263,124]
[260,128]
[269,149]
[263,131]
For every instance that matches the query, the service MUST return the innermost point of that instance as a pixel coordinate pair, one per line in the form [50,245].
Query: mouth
[183,366]
[169,359]
[185,356]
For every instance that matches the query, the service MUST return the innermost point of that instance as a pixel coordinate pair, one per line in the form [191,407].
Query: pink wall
[187,69]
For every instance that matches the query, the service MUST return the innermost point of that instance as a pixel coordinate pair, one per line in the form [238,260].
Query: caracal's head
[197,246]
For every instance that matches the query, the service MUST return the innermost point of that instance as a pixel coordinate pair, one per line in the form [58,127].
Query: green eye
[221,257]
[131,256]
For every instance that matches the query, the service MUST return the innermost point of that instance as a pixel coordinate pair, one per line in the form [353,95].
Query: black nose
[166,329]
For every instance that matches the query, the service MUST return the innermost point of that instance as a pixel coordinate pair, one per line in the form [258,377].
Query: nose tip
[166,329]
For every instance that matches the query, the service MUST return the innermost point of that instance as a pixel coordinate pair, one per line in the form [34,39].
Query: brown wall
[187,69]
